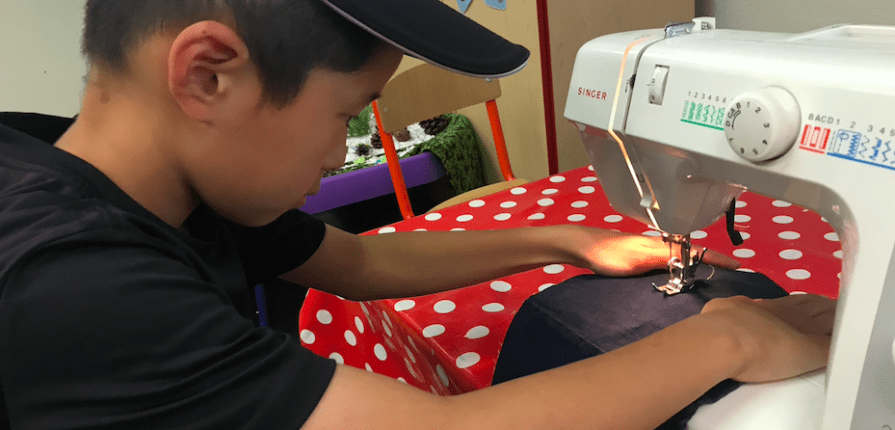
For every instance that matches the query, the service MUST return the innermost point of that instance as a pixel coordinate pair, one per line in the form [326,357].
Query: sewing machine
[678,122]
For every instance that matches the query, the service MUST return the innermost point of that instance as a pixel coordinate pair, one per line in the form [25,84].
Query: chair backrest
[426,91]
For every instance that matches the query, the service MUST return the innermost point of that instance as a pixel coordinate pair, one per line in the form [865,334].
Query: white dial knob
[762,125]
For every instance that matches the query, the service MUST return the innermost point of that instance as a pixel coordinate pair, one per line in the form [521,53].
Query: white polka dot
[502,217]
[743,253]
[444,306]
[458,229]
[433,330]
[789,235]
[545,202]
[324,316]
[554,269]
[782,219]
[388,330]
[493,307]
[745,270]
[591,167]
[464,218]
[699,234]
[580,204]
[781,204]
[549,191]
[742,218]
[359,324]
[402,380]
[798,274]
[404,305]
[613,218]
[832,237]
[518,191]
[501,286]
[797,293]
[420,229]
[652,233]
[337,358]
[367,366]
[386,319]
[545,286]
[363,307]
[389,343]
[741,204]
[576,218]
[507,205]
[466,360]
[587,190]
[307,336]
[537,216]
[410,354]
[350,338]
[745,235]
[387,230]
[589,179]
[477,203]
[838,254]
[557,179]
[442,376]
[379,350]
[435,216]
[823,219]
[839,275]
[477,332]
[410,369]
[790,254]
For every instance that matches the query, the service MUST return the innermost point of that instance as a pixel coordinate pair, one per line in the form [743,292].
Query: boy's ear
[208,69]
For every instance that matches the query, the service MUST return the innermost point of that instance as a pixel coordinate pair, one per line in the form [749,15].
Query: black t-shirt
[111,319]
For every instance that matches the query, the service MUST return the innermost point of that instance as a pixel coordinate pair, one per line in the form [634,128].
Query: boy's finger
[720,260]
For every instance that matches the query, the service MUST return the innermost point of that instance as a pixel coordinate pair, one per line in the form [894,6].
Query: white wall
[796,16]
[41,68]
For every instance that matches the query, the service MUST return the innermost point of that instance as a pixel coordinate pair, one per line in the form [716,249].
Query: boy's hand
[613,253]
[782,337]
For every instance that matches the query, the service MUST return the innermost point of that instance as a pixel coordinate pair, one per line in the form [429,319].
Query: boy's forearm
[635,387]
[400,265]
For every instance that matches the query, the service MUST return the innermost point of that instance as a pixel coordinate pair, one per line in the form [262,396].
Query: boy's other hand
[782,337]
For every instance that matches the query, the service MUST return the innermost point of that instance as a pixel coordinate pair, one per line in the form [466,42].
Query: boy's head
[285,39]
[243,104]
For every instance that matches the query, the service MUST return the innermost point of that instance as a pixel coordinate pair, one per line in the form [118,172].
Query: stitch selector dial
[762,125]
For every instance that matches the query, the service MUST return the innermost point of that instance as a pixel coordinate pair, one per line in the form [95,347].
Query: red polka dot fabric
[448,343]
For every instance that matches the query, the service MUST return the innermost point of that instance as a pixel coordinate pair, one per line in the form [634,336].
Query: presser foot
[681,271]
[680,280]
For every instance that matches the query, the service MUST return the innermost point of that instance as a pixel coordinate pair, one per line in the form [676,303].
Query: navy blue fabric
[589,315]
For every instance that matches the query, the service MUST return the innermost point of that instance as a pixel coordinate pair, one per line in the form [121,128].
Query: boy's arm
[410,264]
[624,389]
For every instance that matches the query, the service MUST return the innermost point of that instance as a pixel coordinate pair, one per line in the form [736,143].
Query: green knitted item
[360,125]
[459,149]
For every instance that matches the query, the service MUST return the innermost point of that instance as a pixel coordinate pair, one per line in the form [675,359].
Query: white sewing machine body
[816,117]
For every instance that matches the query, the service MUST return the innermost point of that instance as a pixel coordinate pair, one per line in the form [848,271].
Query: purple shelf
[371,182]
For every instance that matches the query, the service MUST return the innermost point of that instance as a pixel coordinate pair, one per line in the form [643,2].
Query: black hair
[287,39]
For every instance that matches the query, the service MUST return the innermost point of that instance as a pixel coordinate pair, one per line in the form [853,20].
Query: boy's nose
[336,158]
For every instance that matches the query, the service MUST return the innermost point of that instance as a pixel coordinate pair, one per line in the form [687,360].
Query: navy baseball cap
[435,33]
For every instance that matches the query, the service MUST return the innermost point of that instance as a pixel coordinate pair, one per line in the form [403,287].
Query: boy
[128,245]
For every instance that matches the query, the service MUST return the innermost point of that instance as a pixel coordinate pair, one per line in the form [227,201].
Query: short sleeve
[125,338]
[279,247]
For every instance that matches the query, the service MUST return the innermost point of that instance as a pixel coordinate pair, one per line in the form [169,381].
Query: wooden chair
[425,92]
